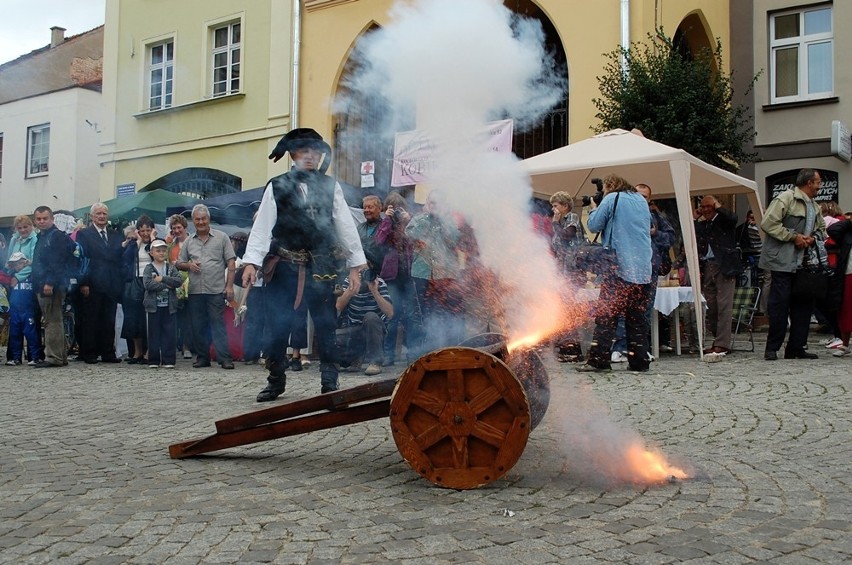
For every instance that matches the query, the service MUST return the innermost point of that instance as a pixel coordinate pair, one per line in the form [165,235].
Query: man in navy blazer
[100,288]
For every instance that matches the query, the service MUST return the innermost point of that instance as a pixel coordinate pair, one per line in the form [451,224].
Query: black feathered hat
[299,138]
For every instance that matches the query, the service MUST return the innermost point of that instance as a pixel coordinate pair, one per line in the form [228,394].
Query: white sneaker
[834,343]
[618,357]
[168,366]
[826,341]
[152,366]
[842,351]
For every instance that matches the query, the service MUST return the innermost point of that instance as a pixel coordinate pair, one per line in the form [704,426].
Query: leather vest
[304,223]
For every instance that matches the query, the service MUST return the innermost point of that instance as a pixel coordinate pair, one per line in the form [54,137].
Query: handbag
[596,258]
[810,283]
[133,290]
[812,280]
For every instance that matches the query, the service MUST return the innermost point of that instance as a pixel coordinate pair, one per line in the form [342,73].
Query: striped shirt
[362,303]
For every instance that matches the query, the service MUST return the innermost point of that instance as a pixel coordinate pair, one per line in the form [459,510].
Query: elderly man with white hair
[100,288]
[209,257]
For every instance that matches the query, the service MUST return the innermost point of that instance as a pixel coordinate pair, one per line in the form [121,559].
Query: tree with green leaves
[677,98]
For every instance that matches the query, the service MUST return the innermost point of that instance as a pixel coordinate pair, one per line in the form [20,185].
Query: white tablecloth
[667,300]
[669,297]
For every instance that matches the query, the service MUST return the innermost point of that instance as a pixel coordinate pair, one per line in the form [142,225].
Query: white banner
[412,151]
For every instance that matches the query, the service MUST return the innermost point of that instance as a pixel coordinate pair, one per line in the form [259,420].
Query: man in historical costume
[100,288]
[303,230]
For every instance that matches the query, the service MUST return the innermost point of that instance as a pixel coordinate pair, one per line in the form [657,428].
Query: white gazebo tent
[670,172]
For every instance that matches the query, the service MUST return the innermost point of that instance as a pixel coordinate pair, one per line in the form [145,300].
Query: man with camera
[363,311]
[372,206]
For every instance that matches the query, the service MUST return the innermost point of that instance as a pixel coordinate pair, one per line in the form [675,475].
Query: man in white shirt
[302,230]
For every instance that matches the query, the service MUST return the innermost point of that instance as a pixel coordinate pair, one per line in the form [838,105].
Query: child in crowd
[160,279]
[23,306]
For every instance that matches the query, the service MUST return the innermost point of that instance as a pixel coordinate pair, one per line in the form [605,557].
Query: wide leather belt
[300,257]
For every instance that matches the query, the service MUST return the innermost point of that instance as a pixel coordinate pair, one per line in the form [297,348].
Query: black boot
[328,378]
[275,385]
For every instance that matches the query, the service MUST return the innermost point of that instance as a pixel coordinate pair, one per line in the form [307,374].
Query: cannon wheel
[460,417]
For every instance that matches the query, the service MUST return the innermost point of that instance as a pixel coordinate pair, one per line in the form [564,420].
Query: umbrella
[152,202]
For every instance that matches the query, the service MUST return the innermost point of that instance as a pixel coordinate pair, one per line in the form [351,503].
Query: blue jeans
[406,313]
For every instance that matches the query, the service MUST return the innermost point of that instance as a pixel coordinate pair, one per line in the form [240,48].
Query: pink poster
[412,151]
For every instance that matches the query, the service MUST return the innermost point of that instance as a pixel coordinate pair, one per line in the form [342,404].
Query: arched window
[362,131]
[551,131]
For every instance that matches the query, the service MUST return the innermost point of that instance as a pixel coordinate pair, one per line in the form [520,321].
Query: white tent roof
[670,172]
[633,157]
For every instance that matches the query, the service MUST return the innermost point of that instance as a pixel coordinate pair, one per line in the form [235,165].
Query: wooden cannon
[460,416]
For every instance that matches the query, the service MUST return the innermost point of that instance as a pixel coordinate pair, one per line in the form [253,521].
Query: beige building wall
[232,133]
[587,30]
[797,135]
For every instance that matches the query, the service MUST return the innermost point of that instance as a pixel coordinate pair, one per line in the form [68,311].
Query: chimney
[57,36]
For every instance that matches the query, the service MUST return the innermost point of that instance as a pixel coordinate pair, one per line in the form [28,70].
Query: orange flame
[651,466]
[526,341]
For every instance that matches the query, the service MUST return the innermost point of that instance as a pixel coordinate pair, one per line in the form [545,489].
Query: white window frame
[165,68]
[38,150]
[231,51]
[801,42]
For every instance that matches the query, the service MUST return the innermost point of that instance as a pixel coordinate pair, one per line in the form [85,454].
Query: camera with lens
[597,196]
[368,275]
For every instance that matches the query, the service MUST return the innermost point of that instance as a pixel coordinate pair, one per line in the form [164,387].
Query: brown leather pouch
[268,268]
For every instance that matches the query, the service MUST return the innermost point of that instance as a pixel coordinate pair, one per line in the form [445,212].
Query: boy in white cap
[23,323]
[161,279]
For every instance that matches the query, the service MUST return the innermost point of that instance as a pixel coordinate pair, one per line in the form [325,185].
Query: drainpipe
[625,32]
[297,55]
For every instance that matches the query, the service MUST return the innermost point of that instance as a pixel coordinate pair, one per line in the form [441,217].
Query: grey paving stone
[86,471]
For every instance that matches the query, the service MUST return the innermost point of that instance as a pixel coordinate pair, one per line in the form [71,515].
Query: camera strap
[611,220]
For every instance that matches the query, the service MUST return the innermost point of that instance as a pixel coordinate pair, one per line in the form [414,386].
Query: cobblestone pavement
[85,475]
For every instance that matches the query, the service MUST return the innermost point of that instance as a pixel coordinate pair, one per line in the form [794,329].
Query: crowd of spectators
[418,287]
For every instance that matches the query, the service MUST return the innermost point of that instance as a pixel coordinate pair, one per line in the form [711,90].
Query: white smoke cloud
[462,64]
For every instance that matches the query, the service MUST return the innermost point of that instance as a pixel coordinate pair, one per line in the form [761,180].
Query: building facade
[801,98]
[194,108]
[50,119]
[578,33]
[197,93]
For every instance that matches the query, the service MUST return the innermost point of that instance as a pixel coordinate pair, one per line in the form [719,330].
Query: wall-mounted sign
[779,182]
[124,190]
[841,141]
